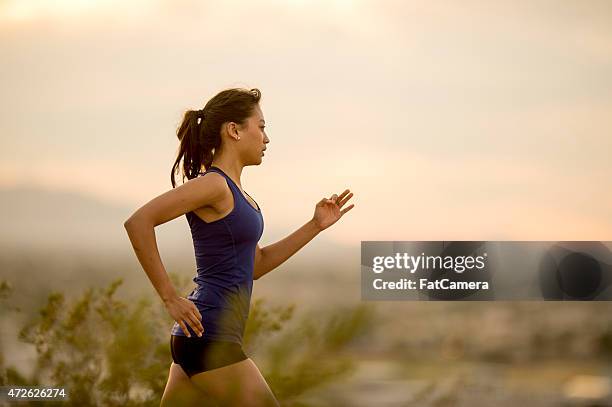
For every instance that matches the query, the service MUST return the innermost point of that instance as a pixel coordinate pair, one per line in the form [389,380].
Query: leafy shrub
[109,352]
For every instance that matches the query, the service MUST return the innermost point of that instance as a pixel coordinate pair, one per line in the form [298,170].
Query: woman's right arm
[202,191]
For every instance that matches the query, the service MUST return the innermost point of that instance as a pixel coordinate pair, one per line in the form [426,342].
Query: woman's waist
[207,267]
[225,297]
[228,311]
[227,279]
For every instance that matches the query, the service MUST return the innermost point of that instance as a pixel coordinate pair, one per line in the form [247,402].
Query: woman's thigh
[180,391]
[238,384]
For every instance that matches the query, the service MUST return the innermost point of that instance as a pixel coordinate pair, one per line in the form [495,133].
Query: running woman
[209,364]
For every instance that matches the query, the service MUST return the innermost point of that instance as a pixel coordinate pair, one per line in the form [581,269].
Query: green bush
[107,352]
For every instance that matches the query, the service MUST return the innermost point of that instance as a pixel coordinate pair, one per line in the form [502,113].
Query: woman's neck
[232,168]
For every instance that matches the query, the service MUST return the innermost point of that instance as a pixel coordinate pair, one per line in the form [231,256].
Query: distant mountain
[33,218]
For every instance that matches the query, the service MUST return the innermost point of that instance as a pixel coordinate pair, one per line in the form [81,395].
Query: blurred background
[473,120]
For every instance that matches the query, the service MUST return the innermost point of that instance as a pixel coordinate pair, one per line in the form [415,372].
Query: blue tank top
[225,254]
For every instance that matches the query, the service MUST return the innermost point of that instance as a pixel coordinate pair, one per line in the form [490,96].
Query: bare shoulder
[207,190]
[211,185]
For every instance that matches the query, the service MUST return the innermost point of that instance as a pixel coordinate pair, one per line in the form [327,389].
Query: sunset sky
[449,120]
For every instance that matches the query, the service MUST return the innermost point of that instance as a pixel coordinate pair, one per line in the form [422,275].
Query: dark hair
[200,131]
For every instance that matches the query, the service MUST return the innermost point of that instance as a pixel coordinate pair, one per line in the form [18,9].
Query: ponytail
[200,131]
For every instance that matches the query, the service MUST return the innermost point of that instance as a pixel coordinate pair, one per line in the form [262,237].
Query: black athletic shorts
[199,354]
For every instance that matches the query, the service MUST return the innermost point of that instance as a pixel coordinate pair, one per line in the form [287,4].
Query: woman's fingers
[348,208]
[342,195]
[195,323]
[199,317]
[195,311]
[184,328]
[191,318]
[337,198]
[199,324]
[187,315]
[190,321]
[345,200]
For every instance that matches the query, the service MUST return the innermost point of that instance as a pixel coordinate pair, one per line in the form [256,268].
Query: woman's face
[253,138]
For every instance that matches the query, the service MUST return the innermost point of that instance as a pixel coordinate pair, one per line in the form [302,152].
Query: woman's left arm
[327,212]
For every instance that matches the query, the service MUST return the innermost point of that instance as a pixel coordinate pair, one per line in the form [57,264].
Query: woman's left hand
[328,211]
